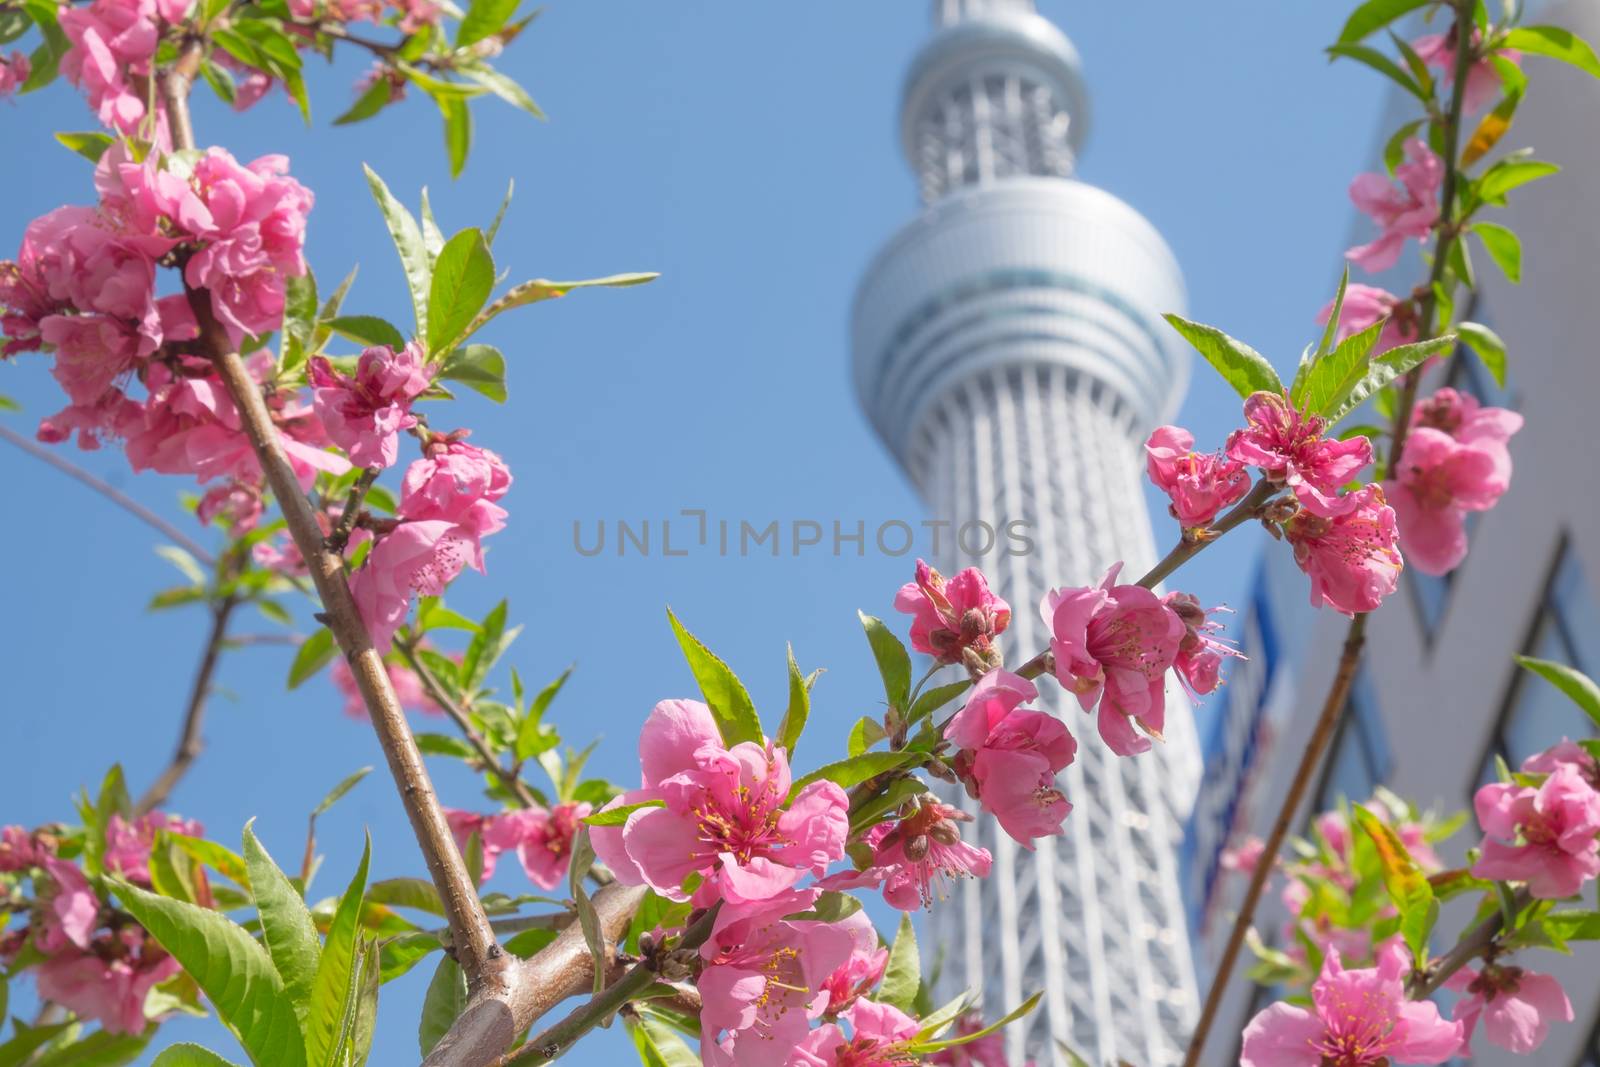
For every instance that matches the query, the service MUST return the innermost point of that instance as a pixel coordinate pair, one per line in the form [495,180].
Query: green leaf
[532,736]
[99,1049]
[1508,174]
[462,280]
[1555,43]
[1407,886]
[855,770]
[398,954]
[484,18]
[1240,365]
[457,130]
[618,815]
[500,215]
[1331,330]
[446,999]
[91,145]
[541,289]
[367,330]
[1394,149]
[299,320]
[1385,369]
[1577,686]
[798,710]
[658,1044]
[1374,15]
[25,1042]
[902,976]
[187,564]
[378,95]
[727,697]
[933,699]
[1574,925]
[407,237]
[187,1055]
[1381,63]
[347,783]
[925,1047]
[588,918]
[232,969]
[478,367]
[863,735]
[1492,127]
[286,926]
[1491,351]
[312,655]
[335,968]
[1331,379]
[1505,248]
[219,858]
[484,648]
[894,663]
[505,88]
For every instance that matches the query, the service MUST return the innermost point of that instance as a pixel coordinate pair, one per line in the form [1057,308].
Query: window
[1431,593]
[1566,630]
[1361,759]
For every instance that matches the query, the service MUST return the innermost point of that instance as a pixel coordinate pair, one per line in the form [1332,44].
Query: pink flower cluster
[1408,209]
[1515,1005]
[541,838]
[1200,485]
[1008,756]
[1350,558]
[954,621]
[1456,460]
[1544,836]
[1438,50]
[1290,450]
[97,963]
[915,855]
[112,45]
[365,414]
[13,72]
[1365,305]
[447,506]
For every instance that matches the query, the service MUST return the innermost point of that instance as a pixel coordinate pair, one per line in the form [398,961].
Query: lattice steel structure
[1009,350]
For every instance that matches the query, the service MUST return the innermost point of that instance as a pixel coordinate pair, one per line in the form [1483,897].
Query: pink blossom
[1365,305]
[880,1036]
[237,505]
[1564,752]
[724,814]
[13,72]
[92,353]
[463,824]
[128,844]
[923,849]
[1009,757]
[20,850]
[1515,1005]
[70,910]
[110,983]
[1437,50]
[1462,417]
[1290,450]
[1407,210]
[365,414]
[1437,481]
[763,980]
[112,41]
[1359,1018]
[542,839]
[1245,857]
[987,1051]
[1198,663]
[453,481]
[949,617]
[108,418]
[408,689]
[1543,836]
[857,975]
[1115,640]
[1200,485]
[1351,559]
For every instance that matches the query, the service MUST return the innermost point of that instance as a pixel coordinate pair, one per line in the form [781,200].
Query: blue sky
[748,152]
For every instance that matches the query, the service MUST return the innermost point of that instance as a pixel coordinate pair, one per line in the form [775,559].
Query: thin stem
[351,510]
[1310,760]
[110,492]
[480,955]
[458,715]
[1473,944]
[190,742]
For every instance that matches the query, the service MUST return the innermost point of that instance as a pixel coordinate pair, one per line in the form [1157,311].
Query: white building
[1439,695]
[1008,347]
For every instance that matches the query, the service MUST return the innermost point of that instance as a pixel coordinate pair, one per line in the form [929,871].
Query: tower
[1009,350]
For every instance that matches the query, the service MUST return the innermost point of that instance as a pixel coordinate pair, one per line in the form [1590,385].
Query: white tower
[1008,347]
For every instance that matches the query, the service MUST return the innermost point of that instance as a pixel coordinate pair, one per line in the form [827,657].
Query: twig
[1473,944]
[482,959]
[190,742]
[458,715]
[110,492]
[352,507]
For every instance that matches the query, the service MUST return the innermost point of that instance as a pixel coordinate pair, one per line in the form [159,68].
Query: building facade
[1009,350]
[1439,696]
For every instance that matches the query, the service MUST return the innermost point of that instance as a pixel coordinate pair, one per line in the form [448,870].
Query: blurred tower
[1008,347]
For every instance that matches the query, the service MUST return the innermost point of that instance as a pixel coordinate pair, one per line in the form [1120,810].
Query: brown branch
[1310,760]
[564,968]
[458,715]
[110,492]
[190,742]
[482,959]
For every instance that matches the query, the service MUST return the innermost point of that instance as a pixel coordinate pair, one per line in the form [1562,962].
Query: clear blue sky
[748,152]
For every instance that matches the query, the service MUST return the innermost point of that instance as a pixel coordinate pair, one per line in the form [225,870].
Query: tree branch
[190,742]
[1473,944]
[482,959]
